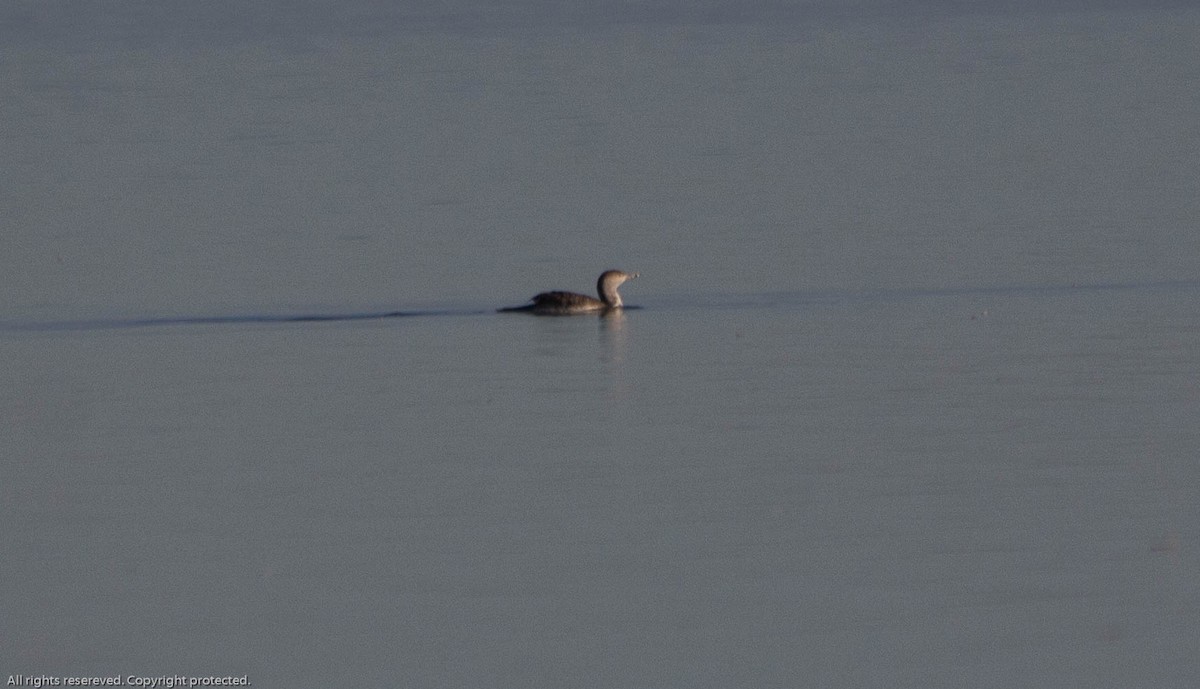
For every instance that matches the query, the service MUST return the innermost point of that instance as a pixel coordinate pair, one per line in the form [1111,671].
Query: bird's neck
[608,295]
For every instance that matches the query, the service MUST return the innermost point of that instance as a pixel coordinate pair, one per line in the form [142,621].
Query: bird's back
[566,302]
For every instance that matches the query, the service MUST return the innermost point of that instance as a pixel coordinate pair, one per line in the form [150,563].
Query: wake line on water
[242,319]
[692,300]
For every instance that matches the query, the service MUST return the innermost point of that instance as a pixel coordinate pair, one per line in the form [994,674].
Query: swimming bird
[568,303]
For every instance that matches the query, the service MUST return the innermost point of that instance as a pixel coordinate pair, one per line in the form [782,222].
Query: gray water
[910,398]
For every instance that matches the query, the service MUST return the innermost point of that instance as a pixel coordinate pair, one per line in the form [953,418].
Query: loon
[568,303]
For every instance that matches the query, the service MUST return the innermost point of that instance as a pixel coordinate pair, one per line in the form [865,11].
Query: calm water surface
[910,400]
